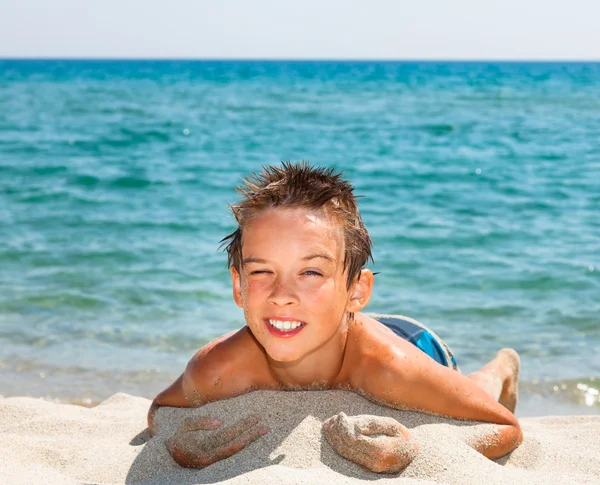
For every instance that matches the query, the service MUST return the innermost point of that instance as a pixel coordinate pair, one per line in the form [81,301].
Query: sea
[479,184]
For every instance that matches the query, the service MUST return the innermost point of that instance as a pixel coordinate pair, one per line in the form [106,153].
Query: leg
[500,378]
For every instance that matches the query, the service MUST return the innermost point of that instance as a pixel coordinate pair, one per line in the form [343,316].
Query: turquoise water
[481,187]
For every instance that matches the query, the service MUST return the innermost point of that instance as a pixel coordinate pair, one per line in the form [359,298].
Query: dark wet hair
[299,185]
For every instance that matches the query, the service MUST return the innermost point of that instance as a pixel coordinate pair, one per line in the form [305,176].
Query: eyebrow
[305,258]
[254,260]
[319,255]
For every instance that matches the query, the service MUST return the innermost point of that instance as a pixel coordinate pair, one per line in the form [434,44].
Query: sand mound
[43,442]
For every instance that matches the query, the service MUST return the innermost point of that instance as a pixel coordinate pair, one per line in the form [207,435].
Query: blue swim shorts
[419,335]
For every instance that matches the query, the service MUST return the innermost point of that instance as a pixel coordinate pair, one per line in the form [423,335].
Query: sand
[44,442]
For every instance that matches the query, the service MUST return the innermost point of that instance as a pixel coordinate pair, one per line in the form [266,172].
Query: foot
[511,363]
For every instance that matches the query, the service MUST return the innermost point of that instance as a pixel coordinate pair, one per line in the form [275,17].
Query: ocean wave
[131,182]
[584,391]
[438,128]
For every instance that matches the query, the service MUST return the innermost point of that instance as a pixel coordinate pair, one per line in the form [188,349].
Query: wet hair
[299,185]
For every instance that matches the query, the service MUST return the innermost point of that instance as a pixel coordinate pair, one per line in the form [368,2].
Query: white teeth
[287,325]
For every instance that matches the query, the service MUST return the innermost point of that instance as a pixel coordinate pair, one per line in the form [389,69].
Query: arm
[205,380]
[401,376]
[189,389]
[496,446]
[174,395]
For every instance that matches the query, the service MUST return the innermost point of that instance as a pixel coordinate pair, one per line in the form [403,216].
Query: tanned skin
[292,270]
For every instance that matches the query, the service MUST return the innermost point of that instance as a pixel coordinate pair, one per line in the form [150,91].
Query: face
[292,286]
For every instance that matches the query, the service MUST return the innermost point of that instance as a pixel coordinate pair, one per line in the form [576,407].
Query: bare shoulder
[374,349]
[392,371]
[372,336]
[227,366]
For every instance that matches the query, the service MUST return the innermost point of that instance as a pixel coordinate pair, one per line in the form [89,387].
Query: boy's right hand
[378,443]
[190,449]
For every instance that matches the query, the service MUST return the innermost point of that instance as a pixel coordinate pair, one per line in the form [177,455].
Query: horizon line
[305,59]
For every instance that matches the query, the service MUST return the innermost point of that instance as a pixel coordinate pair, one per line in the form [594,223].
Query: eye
[311,272]
[259,271]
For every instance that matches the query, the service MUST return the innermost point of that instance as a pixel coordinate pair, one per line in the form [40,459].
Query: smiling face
[292,286]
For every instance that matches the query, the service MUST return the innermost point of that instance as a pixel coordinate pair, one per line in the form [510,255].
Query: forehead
[279,228]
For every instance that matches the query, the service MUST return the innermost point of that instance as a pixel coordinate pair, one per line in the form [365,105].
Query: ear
[236,281]
[361,292]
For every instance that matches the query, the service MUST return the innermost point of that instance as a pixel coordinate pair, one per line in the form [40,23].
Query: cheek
[252,290]
[326,299]
[317,289]
[244,291]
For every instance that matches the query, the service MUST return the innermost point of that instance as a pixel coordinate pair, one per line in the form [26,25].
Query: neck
[319,369]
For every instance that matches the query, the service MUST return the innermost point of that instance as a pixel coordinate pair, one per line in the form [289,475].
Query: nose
[282,294]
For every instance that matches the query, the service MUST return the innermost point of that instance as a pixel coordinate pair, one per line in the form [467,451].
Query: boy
[297,265]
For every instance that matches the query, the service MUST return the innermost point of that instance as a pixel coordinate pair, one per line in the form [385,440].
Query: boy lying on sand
[297,264]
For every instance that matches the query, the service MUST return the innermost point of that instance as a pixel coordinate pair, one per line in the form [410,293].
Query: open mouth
[284,328]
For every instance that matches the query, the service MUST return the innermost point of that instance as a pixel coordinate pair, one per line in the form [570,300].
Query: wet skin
[292,275]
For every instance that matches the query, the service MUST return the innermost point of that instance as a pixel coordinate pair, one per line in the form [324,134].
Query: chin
[283,356]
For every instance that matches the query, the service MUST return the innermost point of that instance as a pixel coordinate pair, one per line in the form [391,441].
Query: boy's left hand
[353,438]
[190,449]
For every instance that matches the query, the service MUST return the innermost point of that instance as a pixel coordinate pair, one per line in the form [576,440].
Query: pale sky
[302,29]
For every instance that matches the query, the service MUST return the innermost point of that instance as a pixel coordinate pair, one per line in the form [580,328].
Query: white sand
[43,442]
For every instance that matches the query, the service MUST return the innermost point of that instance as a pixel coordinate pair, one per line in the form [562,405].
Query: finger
[239,443]
[349,447]
[236,430]
[371,425]
[343,423]
[200,422]
[340,442]
[331,421]
[194,454]
[337,418]
[340,437]
[381,455]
